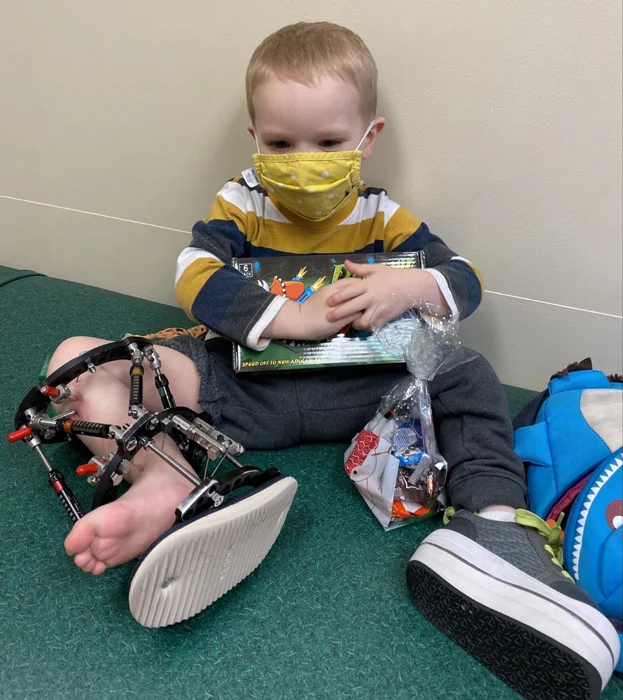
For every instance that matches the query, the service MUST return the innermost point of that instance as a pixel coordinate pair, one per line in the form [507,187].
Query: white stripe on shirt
[368,207]
[444,288]
[254,339]
[253,202]
[465,260]
[187,257]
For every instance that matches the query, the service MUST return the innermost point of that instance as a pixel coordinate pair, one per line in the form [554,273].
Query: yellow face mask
[312,185]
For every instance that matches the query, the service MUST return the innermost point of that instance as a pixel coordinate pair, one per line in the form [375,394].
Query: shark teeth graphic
[607,473]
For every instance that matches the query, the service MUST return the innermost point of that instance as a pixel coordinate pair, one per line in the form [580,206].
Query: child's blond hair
[307,50]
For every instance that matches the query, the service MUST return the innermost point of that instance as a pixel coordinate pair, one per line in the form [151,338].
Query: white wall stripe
[551,303]
[177,230]
[93,213]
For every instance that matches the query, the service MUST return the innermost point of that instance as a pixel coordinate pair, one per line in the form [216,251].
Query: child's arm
[459,281]
[208,287]
[382,293]
[212,291]
[450,283]
[308,321]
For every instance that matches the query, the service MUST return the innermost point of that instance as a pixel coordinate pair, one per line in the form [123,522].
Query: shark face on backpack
[571,439]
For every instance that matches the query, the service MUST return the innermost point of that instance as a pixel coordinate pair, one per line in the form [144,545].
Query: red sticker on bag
[365,442]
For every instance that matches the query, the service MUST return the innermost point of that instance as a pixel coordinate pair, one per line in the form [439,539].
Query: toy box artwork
[297,277]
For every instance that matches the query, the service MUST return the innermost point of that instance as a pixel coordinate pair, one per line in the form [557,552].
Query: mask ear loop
[257,143]
[363,138]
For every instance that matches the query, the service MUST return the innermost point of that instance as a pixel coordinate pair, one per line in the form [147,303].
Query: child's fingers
[373,317]
[346,292]
[348,308]
[364,323]
[359,269]
[349,320]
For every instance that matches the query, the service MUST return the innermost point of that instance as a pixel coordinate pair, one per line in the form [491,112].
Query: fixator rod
[181,469]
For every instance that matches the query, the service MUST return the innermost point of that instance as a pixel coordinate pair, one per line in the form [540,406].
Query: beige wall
[504,135]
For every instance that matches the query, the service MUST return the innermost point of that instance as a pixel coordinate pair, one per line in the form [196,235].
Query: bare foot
[122,530]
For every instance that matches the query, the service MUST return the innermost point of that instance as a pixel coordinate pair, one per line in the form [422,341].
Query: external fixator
[202,445]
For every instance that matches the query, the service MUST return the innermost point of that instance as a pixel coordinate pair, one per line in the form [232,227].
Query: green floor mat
[326,615]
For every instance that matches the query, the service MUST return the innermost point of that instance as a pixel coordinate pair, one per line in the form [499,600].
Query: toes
[99,568]
[89,566]
[80,537]
[85,561]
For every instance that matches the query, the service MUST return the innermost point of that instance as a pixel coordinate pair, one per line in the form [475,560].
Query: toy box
[297,277]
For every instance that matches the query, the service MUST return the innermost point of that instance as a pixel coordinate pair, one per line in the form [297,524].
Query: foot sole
[507,627]
[197,562]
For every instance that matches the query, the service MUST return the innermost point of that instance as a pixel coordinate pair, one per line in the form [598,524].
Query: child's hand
[316,323]
[309,320]
[383,294]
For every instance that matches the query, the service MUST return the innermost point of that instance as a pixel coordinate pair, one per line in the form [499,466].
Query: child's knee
[71,348]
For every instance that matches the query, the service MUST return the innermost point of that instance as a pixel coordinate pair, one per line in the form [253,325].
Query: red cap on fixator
[86,469]
[50,391]
[19,434]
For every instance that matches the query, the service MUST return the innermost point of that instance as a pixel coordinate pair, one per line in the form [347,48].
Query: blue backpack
[571,440]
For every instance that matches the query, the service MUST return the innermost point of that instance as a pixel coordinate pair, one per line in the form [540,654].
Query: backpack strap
[532,444]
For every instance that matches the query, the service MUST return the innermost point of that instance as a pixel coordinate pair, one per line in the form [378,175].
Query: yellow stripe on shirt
[192,280]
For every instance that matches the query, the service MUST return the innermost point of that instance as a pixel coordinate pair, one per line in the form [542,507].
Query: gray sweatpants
[271,411]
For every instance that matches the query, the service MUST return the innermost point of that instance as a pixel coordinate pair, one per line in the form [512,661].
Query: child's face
[294,118]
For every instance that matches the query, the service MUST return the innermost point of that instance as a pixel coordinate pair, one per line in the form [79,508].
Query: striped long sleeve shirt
[246,222]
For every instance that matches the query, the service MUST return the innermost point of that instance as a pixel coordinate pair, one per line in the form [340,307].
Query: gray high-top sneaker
[498,589]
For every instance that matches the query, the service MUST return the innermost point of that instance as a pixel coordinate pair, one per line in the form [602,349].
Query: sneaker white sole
[497,595]
[199,561]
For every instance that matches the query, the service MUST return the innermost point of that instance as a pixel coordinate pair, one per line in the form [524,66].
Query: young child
[492,578]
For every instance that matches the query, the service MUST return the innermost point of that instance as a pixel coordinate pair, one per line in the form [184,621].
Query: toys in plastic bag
[394,462]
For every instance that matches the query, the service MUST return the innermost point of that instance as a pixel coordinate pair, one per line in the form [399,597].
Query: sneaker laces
[448,514]
[552,533]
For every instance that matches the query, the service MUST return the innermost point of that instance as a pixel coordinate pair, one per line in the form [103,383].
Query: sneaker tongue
[502,516]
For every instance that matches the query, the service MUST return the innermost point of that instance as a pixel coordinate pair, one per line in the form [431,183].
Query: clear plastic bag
[394,462]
